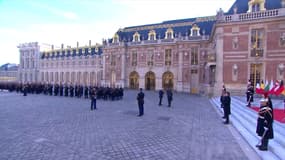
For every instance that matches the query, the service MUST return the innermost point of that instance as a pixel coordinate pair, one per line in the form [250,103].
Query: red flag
[280,88]
[275,87]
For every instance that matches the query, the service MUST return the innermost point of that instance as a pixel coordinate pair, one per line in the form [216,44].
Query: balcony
[254,15]
[256,52]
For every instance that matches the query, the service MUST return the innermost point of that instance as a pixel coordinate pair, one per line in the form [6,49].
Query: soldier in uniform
[66,88]
[264,127]
[93,98]
[160,94]
[25,89]
[140,99]
[86,91]
[169,97]
[61,89]
[249,93]
[226,103]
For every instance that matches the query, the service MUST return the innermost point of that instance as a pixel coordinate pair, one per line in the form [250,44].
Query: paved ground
[40,127]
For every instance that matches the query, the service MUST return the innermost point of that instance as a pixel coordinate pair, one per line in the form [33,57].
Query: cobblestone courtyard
[40,127]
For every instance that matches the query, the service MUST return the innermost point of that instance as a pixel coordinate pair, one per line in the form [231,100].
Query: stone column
[104,71]
[179,72]
[219,81]
[123,70]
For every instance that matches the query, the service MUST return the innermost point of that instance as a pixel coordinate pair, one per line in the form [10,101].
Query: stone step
[277,144]
[241,118]
[279,127]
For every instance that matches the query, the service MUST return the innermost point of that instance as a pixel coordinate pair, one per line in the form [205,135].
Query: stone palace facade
[195,55]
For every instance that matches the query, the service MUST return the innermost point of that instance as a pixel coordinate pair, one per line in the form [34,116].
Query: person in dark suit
[264,127]
[140,99]
[160,93]
[169,97]
[249,94]
[93,98]
[226,101]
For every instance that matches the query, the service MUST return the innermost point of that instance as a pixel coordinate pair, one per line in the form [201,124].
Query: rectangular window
[168,57]
[257,42]
[151,57]
[194,56]
[134,58]
[113,59]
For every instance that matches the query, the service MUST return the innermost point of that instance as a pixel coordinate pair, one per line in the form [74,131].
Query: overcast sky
[68,21]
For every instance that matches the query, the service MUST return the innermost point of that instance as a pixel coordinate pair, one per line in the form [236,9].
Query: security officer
[140,99]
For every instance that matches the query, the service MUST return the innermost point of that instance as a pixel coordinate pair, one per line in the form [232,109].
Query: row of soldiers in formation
[106,93]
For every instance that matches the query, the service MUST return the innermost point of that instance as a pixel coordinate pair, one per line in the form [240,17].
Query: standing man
[249,93]
[169,97]
[160,96]
[93,98]
[226,101]
[140,99]
[264,127]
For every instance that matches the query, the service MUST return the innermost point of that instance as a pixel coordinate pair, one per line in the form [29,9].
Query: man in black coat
[169,97]
[160,94]
[226,101]
[140,99]
[249,94]
[93,98]
[264,127]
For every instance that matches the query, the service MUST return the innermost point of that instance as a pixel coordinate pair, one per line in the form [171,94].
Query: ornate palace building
[195,55]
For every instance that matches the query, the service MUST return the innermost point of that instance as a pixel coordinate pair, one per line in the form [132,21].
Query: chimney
[77,45]
[62,46]
[89,43]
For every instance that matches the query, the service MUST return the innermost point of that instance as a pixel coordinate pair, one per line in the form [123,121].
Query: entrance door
[113,79]
[134,80]
[255,73]
[167,80]
[150,81]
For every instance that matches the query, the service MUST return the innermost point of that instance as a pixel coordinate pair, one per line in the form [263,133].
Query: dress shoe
[262,148]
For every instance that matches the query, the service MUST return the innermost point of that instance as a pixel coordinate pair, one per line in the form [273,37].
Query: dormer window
[195,30]
[151,35]
[136,37]
[116,38]
[256,5]
[169,34]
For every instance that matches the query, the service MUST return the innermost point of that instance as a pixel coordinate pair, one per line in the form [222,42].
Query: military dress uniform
[264,127]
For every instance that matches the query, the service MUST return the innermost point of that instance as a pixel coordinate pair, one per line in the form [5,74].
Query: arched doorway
[150,81]
[134,80]
[167,80]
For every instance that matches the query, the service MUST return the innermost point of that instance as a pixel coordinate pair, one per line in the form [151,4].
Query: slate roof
[72,52]
[180,27]
[242,6]
[9,67]
[204,23]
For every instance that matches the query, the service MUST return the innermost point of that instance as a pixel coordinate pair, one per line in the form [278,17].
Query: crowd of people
[67,90]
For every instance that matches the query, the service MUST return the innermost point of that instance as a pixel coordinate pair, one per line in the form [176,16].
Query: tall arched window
[169,34]
[256,5]
[136,37]
[195,30]
[152,35]
[116,38]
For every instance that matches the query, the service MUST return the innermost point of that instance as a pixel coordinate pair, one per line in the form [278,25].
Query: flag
[258,89]
[267,86]
[271,87]
[283,92]
[280,88]
[262,85]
